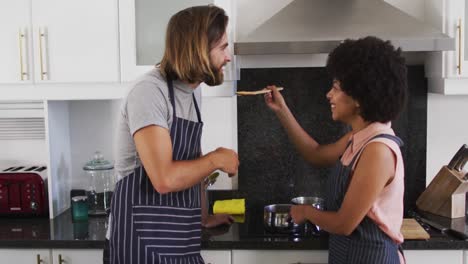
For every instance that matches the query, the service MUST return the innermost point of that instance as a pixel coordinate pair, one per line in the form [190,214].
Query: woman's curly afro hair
[372,72]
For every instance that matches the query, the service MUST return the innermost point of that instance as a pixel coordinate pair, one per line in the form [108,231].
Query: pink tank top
[387,210]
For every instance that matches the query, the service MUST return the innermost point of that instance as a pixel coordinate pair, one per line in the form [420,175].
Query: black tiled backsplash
[272,171]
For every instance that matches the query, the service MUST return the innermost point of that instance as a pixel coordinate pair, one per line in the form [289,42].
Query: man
[156,213]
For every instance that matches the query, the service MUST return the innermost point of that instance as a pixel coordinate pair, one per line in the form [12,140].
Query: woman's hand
[217,219]
[274,99]
[299,213]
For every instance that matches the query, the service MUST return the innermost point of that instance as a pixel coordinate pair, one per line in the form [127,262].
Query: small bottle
[80,209]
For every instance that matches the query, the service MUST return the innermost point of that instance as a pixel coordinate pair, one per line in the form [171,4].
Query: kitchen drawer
[279,257]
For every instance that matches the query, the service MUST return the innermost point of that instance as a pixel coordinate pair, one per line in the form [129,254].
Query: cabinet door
[25,256]
[15,41]
[434,256]
[76,256]
[76,41]
[216,256]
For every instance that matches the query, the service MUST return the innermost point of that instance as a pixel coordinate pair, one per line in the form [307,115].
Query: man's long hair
[191,34]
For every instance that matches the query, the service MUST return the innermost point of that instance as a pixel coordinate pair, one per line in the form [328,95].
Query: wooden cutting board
[411,229]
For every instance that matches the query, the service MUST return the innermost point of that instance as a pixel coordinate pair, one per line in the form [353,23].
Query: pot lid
[79,198]
[98,163]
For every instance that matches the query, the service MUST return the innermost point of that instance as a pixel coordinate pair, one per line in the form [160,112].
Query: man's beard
[218,77]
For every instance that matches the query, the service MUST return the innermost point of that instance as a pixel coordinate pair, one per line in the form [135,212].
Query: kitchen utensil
[461,164]
[445,230]
[308,228]
[445,195]
[277,219]
[263,91]
[23,191]
[411,229]
[210,180]
[101,184]
[459,159]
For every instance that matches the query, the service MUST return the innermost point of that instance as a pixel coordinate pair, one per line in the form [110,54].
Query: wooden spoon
[263,91]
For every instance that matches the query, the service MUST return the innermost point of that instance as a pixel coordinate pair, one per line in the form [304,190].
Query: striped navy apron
[368,243]
[148,227]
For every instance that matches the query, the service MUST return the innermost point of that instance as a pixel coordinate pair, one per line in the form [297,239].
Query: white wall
[220,130]
[447,130]
[92,128]
[22,152]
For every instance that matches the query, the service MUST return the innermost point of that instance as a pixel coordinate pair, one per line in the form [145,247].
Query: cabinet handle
[60,259]
[21,38]
[42,46]
[459,27]
[38,259]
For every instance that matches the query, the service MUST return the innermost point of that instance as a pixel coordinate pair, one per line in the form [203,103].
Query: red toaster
[23,191]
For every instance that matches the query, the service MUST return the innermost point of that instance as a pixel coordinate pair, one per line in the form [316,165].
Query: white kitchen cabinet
[216,256]
[53,41]
[279,256]
[25,256]
[142,37]
[76,256]
[447,71]
[434,256]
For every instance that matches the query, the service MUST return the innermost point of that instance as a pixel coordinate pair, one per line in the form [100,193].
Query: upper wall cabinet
[142,35]
[448,71]
[54,41]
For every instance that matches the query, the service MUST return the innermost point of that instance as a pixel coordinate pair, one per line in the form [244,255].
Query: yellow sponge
[239,218]
[233,206]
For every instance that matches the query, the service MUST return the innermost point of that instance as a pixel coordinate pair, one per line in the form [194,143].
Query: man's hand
[225,160]
[216,220]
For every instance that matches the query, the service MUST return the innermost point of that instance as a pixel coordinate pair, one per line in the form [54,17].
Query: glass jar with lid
[100,173]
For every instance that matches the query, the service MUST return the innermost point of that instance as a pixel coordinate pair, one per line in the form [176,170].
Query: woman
[157,206]
[365,195]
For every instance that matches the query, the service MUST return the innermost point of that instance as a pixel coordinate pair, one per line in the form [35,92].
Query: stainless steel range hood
[318,26]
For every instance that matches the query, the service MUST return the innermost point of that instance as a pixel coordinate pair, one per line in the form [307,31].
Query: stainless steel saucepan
[308,228]
[277,219]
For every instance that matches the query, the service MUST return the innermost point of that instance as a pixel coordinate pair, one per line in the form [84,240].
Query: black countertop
[62,233]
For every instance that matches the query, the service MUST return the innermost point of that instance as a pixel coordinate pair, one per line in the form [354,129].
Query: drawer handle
[60,259]
[38,259]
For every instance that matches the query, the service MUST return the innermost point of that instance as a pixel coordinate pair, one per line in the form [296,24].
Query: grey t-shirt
[148,103]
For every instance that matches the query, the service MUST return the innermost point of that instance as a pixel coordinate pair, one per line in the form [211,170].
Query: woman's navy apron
[368,244]
[148,227]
